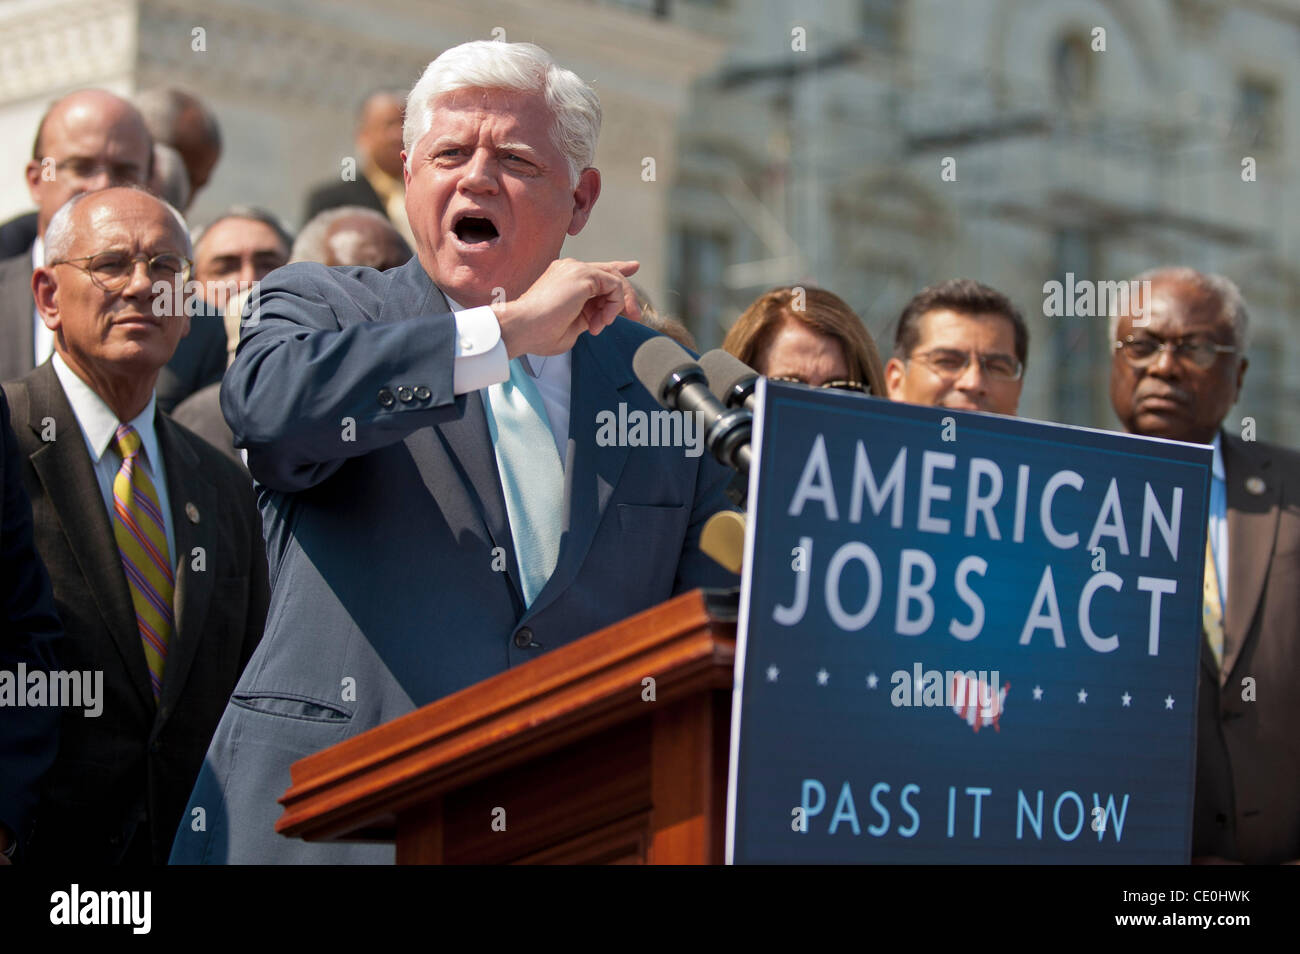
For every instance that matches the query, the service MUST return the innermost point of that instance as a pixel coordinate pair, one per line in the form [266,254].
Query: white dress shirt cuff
[481,357]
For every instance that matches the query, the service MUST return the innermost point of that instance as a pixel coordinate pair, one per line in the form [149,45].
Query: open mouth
[475,231]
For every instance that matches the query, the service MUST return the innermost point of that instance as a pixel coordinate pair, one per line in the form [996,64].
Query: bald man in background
[88,140]
[351,235]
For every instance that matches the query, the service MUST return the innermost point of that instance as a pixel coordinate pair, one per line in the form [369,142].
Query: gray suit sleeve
[316,378]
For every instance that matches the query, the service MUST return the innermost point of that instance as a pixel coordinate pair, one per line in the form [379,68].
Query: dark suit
[17,234]
[29,634]
[396,578]
[200,357]
[1248,752]
[334,193]
[120,781]
[199,361]
[201,413]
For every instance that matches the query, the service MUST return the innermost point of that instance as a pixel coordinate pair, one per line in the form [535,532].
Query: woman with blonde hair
[808,335]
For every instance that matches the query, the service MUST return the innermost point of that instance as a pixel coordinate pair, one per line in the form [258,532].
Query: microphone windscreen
[656,360]
[724,372]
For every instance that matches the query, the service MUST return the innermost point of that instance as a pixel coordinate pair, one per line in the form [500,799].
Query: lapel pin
[192,512]
[1255,485]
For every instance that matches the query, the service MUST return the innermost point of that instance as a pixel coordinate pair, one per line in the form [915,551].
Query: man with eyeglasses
[152,537]
[1177,369]
[959,344]
[88,140]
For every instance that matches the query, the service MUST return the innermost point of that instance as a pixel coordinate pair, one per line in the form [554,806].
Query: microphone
[730,379]
[668,372]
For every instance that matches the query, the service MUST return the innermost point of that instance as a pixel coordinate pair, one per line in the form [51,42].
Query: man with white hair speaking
[437,507]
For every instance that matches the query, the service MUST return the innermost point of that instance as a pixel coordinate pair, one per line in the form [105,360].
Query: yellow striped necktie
[142,543]
[1212,606]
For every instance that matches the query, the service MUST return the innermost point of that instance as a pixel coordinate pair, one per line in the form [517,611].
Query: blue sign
[964,638]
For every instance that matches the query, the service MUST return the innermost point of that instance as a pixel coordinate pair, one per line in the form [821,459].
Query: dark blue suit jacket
[29,632]
[393,568]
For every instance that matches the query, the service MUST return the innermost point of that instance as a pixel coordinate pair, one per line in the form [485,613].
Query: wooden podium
[566,752]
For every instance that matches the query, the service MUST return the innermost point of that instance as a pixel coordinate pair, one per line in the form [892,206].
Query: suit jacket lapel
[465,438]
[467,442]
[195,513]
[1252,532]
[64,468]
[591,472]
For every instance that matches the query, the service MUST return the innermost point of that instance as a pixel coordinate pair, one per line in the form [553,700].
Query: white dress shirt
[99,426]
[42,337]
[1218,526]
[551,372]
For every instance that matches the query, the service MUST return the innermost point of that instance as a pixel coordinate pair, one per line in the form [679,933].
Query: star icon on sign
[772,673]
[1038,693]
[1169,702]
[872,680]
[1126,699]
[822,676]
[1083,696]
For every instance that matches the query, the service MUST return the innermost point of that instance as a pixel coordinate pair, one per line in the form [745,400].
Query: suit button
[524,638]
[422,393]
[404,394]
[386,398]
[155,746]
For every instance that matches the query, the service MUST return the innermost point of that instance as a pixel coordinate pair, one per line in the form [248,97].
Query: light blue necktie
[532,477]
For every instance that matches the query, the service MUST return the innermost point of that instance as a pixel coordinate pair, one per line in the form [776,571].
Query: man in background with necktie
[437,506]
[151,536]
[1176,372]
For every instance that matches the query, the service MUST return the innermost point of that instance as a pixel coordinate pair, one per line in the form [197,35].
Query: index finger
[615,286]
[623,268]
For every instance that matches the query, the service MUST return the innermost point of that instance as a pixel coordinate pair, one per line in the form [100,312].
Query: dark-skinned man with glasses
[1177,369]
[959,344]
[151,537]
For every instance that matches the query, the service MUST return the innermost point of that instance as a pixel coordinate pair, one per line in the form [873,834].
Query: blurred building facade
[1087,137]
[750,143]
